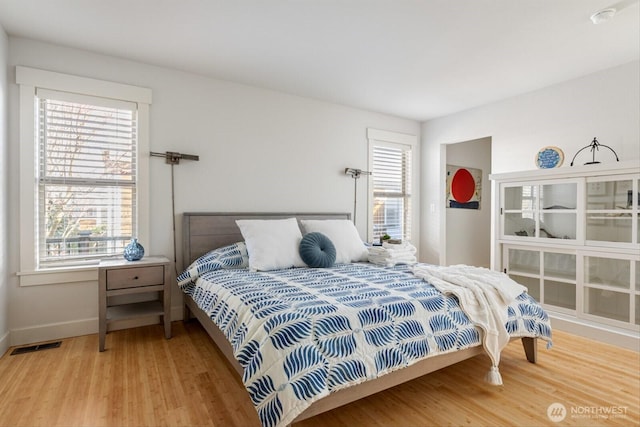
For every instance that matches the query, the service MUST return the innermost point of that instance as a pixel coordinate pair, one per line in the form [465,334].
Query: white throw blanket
[484,295]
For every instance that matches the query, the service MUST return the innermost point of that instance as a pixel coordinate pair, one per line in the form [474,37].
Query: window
[391,164]
[83,180]
[86,177]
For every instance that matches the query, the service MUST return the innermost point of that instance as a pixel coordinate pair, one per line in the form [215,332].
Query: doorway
[467,232]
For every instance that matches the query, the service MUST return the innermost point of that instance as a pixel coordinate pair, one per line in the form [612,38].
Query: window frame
[29,79]
[398,141]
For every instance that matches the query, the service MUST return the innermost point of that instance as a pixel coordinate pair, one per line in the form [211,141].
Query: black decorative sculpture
[595,146]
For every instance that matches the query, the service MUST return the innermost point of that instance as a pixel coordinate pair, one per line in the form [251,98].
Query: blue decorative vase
[133,251]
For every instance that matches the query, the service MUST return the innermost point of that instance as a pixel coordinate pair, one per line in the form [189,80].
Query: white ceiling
[414,59]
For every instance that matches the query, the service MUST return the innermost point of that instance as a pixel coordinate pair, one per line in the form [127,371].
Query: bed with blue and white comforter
[301,333]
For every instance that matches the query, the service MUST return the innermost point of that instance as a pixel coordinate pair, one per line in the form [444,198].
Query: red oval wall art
[464,186]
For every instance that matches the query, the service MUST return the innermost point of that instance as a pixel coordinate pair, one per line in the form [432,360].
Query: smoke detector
[603,15]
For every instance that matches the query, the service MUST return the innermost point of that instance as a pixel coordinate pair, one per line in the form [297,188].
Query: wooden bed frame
[203,232]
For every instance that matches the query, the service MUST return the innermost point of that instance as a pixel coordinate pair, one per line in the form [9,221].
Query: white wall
[4,195]
[569,115]
[467,232]
[259,151]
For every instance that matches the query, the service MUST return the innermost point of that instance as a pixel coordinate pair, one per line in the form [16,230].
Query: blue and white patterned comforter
[302,333]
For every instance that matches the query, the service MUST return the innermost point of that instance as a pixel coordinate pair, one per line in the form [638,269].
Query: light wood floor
[144,380]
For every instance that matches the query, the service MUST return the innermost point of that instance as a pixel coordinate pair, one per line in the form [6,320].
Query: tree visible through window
[86,177]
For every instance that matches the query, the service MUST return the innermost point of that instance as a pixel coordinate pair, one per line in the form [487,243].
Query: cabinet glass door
[524,261]
[549,276]
[560,294]
[559,279]
[560,266]
[524,267]
[519,207]
[607,271]
[607,291]
[610,211]
[558,204]
[606,303]
[545,211]
[636,209]
[637,287]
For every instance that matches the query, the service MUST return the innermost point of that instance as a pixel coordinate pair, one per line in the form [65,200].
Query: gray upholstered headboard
[204,231]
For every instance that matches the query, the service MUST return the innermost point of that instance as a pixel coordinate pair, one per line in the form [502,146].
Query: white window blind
[86,171]
[391,191]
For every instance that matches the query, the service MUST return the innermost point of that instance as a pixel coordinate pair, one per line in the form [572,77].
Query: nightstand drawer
[135,277]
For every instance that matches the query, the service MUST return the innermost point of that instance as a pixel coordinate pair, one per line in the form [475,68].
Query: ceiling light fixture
[603,15]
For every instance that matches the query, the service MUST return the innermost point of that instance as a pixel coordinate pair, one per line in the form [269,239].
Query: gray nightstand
[121,277]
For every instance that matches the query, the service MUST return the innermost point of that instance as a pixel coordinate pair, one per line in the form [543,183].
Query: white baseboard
[56,331]
[609,335]
[53,331]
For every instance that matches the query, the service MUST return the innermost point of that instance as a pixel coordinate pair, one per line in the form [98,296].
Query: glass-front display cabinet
[572,237]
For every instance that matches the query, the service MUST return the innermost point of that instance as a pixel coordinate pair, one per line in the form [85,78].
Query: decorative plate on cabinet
[549,157]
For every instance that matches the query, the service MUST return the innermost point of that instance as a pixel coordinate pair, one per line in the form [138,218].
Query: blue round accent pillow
[317,250]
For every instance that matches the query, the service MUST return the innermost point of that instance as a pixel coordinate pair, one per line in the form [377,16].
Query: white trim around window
[378,137]
[29,79]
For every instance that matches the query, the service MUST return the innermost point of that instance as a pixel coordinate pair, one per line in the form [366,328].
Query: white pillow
[344,236]
[272,244]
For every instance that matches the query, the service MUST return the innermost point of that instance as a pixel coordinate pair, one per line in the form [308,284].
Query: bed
[333,371]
